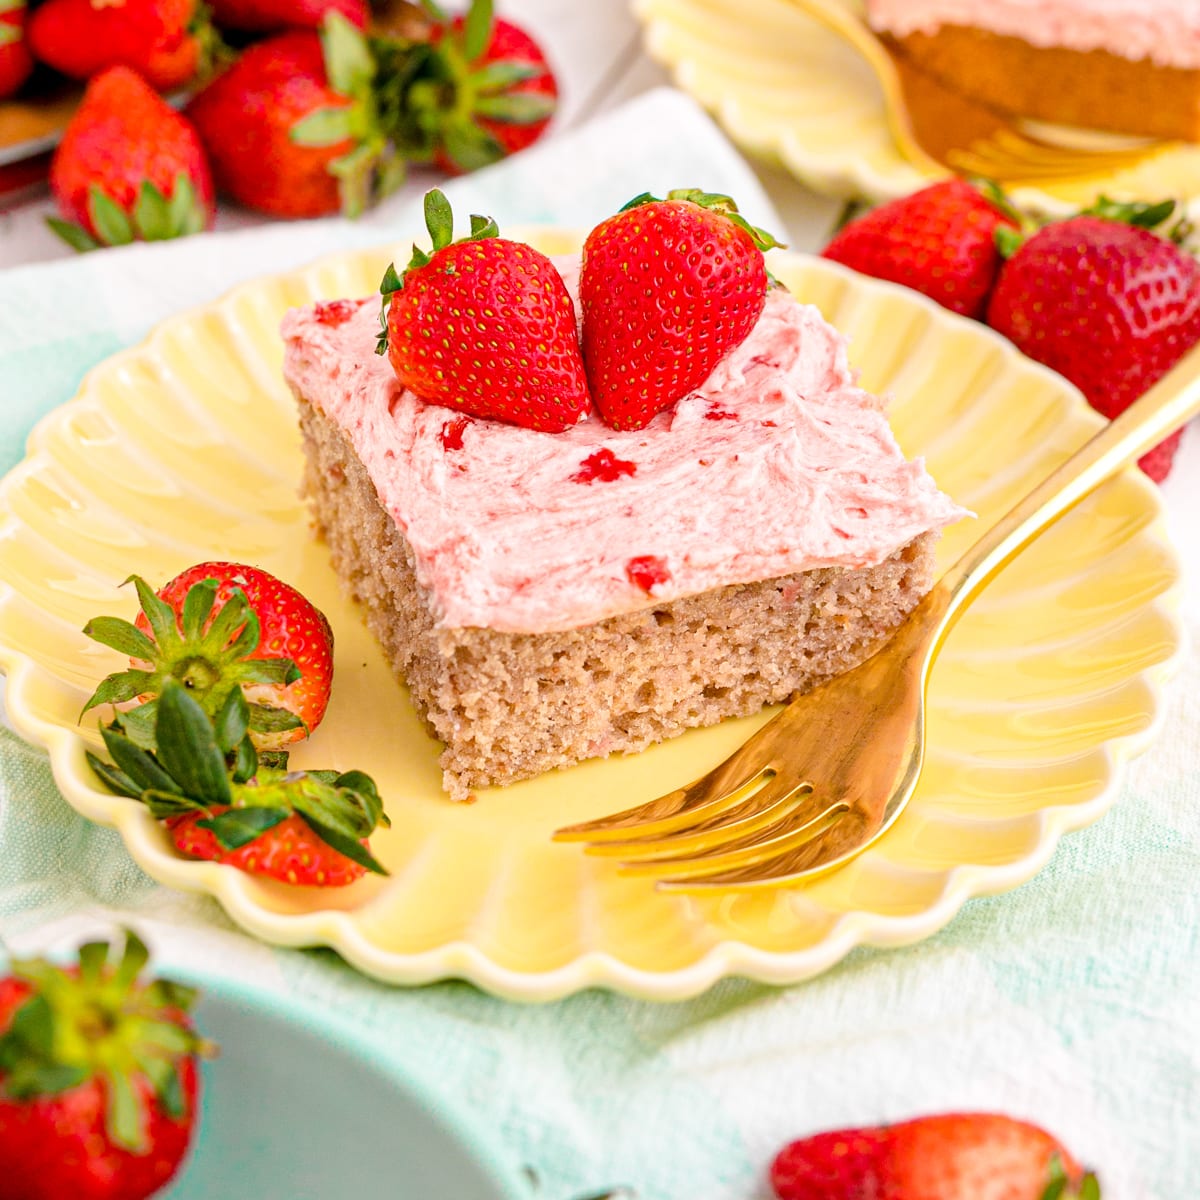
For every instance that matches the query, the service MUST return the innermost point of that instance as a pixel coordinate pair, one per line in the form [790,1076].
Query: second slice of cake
[552,598]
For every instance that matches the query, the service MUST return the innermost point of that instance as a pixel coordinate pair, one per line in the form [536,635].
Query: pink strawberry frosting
[777,464]
[1167,32]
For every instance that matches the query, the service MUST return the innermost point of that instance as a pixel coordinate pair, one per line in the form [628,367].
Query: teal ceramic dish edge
[489,1153]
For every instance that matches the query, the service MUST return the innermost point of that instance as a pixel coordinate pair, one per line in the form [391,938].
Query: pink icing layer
[777,464]
[1167,32]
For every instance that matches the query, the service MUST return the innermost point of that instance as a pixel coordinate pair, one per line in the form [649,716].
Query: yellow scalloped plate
[788,90]
[186,448]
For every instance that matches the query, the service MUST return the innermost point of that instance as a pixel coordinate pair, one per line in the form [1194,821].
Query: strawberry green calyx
[439,220]
[101,1020]
[457,93]
[189,770]
[1059,1187]
[205,651]
[715,202]
[371,169]
[154,218]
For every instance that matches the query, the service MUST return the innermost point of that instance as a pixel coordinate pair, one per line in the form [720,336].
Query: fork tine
[777,840]
[726,786]
[828,848]
[764,808]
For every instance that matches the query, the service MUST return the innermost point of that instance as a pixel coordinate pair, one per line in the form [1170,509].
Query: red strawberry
[218,626]
[940,241]
[99,1085]
[200,774]
[290,851]
[128,167]
[1110,306]
[956,1156]
[486,326]
[668,288]
[15,60]
[269,16]
[483,91]
[160,39]
[292,128]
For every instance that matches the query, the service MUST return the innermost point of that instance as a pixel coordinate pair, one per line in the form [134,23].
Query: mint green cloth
[1074,1001]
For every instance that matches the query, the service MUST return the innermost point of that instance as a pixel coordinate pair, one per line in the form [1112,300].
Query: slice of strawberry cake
[552,597]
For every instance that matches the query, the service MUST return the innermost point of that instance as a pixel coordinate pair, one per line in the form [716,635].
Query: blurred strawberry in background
[314,106]
[293,128]
[271,16]
[163,40]
[16,62]
[480,90]
[129,168]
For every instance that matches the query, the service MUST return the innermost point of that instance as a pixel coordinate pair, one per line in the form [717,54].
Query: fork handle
[1159,412]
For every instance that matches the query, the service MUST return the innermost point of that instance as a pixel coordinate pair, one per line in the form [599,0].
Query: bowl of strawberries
[118,1083]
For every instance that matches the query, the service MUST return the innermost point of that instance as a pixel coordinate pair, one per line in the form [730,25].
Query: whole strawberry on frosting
[485,326]
[1107,303]
[668,288]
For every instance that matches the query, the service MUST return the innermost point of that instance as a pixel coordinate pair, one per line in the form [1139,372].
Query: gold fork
[831,772]
[967,137]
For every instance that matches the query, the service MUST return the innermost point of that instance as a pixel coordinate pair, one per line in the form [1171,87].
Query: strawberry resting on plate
[951,1156]
[215,627]
[99,1086]
[204,779]
[940,241]
[1106,303]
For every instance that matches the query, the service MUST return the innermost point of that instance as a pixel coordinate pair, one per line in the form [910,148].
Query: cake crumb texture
[509,706]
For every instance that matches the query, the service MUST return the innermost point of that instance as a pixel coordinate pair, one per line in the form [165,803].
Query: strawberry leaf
[111,222]
[469,146]
[197,605]
[158,612]
[92,958]
[349,64]
[240,826]
[335,834]
[139,765]
[113,779]
[138,724]
[187,748]
[439,218]
[133,960]
[187,215]
[500,76]
[322,127]
[231,722]
[516,108]
[477,29]
[116,689]
[75,236]
[483,227]
[123,1119]
[120,635]
[152,214]
[245,761]
[265,719]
